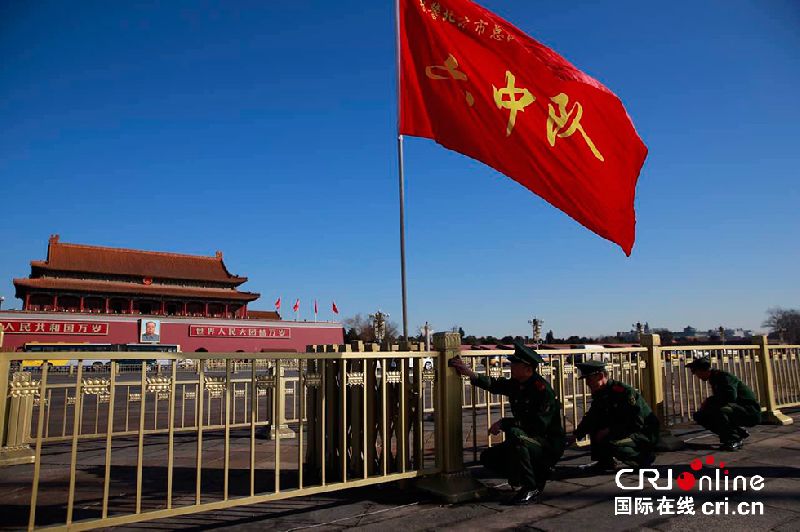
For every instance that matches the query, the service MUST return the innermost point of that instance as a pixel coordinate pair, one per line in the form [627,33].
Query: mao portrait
[150,331]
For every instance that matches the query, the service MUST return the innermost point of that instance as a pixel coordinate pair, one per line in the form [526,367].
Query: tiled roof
[117,287]
[151,264]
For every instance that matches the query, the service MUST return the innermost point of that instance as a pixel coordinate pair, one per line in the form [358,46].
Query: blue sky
[267,130]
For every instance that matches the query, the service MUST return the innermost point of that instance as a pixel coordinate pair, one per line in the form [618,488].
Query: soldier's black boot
[525,495]
[734,445]
[742,433]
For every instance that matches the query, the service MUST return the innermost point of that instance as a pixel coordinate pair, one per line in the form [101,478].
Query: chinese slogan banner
[477,85]
[240,332]
[55,327]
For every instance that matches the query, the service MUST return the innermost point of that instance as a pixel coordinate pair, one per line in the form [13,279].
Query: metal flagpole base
[453,487]
[22,454]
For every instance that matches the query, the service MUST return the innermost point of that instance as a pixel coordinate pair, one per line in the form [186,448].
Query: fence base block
[453,488]
[22,454]
[284,432]
[775,417]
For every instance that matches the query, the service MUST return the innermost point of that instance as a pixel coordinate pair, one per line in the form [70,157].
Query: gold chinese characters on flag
[477,85]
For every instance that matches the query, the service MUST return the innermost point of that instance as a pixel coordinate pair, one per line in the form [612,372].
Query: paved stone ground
[571,501]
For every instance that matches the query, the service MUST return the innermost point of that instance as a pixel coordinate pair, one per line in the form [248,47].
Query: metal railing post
[5,368]
[766,383]
[653,389]
[15,414]
[450,387]
[454,483]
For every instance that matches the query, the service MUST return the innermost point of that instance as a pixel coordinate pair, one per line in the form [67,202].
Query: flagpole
[401,179]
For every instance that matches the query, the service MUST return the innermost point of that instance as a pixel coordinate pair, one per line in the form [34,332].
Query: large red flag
[296,305]
[278,304]
[476,84]
[334,308]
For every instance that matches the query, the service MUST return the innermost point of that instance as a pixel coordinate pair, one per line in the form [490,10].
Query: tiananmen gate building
[94,294]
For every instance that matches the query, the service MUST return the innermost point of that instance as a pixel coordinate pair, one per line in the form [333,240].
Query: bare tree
[784,323]
[363,328]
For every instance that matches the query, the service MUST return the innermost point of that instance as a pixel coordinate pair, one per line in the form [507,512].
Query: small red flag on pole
[296,305]
[315,310]
[334,308]
[477,85]
[278,304]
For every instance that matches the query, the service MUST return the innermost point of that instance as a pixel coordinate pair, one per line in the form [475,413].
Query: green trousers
[726,421]
[523,460]
[635,450]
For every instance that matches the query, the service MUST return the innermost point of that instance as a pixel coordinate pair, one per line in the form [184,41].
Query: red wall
[125,329]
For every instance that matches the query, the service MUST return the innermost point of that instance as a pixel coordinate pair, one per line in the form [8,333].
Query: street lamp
[1,302]
[536,325]
[426,331]
[379,325]
[639,328]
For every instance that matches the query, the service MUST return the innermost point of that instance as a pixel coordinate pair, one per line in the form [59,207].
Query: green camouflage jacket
[727,388]
[537,412]
[621,409]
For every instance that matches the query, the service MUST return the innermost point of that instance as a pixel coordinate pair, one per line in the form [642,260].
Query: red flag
[334,308]
[315,306]
[476,84]
[296,306]
[278,304]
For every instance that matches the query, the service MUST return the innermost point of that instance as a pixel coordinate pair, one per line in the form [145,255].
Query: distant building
[96,294]
[690,334]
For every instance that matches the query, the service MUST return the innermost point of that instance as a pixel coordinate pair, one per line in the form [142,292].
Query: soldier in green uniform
[731,406]
[534,436]
[619,421]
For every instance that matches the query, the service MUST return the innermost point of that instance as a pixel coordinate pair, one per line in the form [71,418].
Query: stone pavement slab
[570,501]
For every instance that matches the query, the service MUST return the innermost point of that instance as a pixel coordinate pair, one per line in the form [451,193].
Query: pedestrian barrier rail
[786,370]
[685,393]
[169,441]
[659,372]
[105,445]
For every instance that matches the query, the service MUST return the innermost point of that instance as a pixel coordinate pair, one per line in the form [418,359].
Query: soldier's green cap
[525,355]
[700,363]
[590,367]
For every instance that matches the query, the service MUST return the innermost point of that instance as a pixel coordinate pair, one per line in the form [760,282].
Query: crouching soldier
[534,436]
[619,421]
[731,405]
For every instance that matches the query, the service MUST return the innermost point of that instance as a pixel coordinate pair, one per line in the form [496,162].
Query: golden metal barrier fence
[173,440]
[685,393]
[659,372]
[60,397]
[179,438]
[786,370]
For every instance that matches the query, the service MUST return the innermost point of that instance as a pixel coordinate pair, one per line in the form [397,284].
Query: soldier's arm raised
[498,386]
